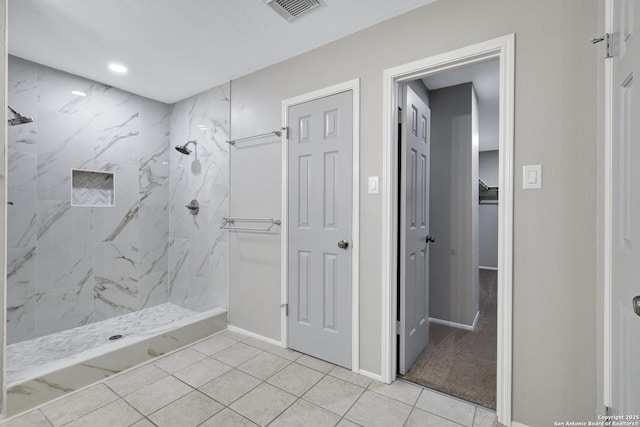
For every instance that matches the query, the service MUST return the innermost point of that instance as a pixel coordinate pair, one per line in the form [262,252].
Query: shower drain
[115,337]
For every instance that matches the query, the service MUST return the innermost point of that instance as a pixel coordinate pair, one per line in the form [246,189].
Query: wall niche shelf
[92,188]
[488,195]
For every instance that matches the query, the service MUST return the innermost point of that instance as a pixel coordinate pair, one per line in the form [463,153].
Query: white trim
[354,87]
[370,375]
[230,97]
[504,49]
[471,327]
[232,328]
[607,396]
[475,321]
[482,267]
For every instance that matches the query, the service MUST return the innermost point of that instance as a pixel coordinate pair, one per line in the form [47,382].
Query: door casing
[609,234]
[503,49]
[354,86]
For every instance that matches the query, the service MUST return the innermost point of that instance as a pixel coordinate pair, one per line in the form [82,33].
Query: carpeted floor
[463,363]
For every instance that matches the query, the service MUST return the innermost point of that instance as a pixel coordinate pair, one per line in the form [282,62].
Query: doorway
[501,49]
[455,270]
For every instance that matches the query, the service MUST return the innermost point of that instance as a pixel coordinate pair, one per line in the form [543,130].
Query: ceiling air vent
[292,9]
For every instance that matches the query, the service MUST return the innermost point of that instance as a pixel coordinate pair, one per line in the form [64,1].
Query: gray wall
[488,213]
[453,205]
[555,86]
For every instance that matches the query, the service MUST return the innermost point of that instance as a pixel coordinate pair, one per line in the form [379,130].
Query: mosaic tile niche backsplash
[72,265]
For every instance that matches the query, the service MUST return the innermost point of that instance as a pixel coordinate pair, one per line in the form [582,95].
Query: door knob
[430,238]
[343,244]
[636,305]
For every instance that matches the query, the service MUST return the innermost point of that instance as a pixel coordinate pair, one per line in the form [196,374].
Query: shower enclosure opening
[99,242]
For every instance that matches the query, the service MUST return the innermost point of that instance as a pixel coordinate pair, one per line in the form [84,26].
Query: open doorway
[448,162]
[502,49]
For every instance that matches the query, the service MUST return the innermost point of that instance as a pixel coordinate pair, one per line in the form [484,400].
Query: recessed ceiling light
[78,93]
[118,68]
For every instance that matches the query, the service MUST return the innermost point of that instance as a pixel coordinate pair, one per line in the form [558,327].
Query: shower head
[19,119]
[183,148]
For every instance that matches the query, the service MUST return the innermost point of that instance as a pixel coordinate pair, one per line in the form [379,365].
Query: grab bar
[228,223]
[262,135]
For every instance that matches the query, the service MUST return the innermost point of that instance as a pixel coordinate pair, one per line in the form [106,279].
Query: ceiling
[175,49]
[485,77]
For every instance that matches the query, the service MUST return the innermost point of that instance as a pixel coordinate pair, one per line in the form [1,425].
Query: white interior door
[319,227]
[414,229]
[625,323]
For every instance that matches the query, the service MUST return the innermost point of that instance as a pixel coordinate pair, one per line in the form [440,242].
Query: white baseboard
[475,321]
[516,424]
[471,327]
[370,375]
[482,267]
[254,335]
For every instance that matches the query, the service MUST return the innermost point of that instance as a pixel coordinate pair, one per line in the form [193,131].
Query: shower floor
[27,359]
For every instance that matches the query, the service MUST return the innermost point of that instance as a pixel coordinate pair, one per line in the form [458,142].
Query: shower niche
[91,188]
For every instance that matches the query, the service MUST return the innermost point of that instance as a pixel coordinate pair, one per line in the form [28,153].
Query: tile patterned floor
[232,380]
[32,354]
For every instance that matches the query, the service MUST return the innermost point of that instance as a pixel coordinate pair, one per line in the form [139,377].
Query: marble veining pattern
[69,265]
[198,250]
[33,354]
[54,280]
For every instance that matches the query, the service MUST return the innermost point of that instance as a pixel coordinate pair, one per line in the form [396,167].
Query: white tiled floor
[232,380]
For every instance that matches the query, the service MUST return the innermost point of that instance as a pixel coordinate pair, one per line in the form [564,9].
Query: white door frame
[608,214]
[354,86]
[502,48]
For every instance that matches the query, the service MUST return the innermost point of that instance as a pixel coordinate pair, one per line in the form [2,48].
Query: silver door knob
[430,239]
[343,244]
[636,305]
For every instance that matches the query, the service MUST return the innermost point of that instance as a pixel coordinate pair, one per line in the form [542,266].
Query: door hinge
[607,411]
[608,44]
[397,327]
[286,308]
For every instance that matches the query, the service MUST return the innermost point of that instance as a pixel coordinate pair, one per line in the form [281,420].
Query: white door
[320,217]
[414,227]
[625,324]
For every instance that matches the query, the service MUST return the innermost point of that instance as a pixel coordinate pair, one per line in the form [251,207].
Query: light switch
[532,177]
[373,185]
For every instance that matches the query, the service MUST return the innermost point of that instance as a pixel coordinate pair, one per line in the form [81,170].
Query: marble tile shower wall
[72,265]
[198,250]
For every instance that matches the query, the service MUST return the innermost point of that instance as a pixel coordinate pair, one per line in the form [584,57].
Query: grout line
[354,403]
[45,417]
[285,409]
[135,409]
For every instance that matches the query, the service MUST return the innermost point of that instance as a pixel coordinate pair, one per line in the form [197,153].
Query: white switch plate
[532,177]
[373,185]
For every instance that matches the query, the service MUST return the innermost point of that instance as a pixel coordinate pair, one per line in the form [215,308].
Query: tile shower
[124,246]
